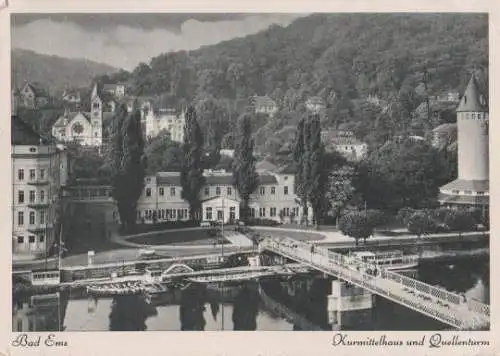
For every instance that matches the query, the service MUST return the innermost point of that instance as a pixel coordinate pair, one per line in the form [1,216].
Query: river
[273,305]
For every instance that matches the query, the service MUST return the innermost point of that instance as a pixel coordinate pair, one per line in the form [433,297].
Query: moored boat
[390,260]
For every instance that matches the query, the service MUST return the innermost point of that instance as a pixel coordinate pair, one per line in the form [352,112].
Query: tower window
[465,99]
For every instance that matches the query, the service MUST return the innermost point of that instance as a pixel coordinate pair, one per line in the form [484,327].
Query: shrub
[421,223]
[377,217]
[404,214]
[262,222]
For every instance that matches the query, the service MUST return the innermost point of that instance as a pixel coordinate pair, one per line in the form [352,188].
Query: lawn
[301,236]
[193,237]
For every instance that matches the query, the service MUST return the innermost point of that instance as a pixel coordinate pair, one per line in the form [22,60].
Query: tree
[301,161]
[459,220]
[421,223]
[401,173]
[192,178]
[163,154]
[244,174]
[318,171]
[404,214]
[356,225]
[129,166]
[376,217]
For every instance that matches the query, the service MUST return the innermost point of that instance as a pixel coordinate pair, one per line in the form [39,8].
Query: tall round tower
[471,188]
[472,123]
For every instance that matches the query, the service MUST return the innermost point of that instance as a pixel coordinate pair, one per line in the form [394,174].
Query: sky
[125,40]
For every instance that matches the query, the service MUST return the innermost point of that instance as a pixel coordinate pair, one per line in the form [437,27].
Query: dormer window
[465,99]
[481,100]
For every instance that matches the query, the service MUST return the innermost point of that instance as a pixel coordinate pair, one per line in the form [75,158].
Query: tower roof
[473,99]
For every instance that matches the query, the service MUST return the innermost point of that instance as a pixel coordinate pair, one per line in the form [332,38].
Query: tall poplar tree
[301,159]
[128,164]
[317,170]
[244,174]
[192,179]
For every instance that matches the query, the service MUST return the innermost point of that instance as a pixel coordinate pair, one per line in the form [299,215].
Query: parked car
[240,223]
[205,224]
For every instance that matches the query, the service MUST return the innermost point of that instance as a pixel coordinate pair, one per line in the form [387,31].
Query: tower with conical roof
[471,188]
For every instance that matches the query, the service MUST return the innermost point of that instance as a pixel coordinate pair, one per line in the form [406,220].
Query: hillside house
[117,90]
[345,143]
[315,104]
[33,96]
[263,105]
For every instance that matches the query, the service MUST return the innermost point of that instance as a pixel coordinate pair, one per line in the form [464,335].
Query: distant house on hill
[345,143]
[263,105]
[33,96]
[315,104]
[118,90]
[444,135]
[71,96]
[158,118]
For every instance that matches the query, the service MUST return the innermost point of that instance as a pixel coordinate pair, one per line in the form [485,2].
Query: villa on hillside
[263,105]
[33,96]
[345,143]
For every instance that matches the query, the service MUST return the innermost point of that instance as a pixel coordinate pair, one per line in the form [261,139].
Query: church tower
[96,116]
[471,188]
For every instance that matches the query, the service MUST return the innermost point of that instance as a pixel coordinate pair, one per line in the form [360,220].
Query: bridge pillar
[348,305]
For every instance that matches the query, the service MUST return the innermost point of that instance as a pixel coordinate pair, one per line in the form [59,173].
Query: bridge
[438,303]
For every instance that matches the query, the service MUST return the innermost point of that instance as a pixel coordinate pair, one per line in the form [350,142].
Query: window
[229,191]
[42,217]
[287,211]
[273,190]
[42,238]
[252,212]
[480,193]
[262,190]
[173,213]
[162,191]
[206,191]
[468,192]
[286,178]
[272,212]
[217,190]
[20,174]
[148,192]
[20,196]
[32,196]
[172,191]
[20,218]
[294,189]
[285,190]
[20,239]
[232,213]
[32,218]
[32,174]
[208,213]
[455,191]
[32,239]
[262,212]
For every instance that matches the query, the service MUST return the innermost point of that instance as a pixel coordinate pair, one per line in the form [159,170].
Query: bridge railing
[354,271]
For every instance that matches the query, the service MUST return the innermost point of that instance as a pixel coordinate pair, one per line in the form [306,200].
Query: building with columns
[274,198]
[471,188]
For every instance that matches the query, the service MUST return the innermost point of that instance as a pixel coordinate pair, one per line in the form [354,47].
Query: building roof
[265,166]
[464,199]
[174,178]
[37,90]
[258,101]
[472,185]
[473,100]
[23,134]
[70,116]
[219,197]
[287,169]
[445,128]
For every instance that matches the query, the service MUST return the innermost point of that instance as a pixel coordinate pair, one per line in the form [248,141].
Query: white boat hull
[400,267]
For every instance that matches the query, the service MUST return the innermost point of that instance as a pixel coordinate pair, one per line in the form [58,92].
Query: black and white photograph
[250,171]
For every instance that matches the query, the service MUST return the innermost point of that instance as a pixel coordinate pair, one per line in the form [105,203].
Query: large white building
[161,119]
[471,188]
[39,170]
[273,199]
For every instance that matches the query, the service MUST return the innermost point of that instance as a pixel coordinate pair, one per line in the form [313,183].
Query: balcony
[39,182]
[39,205]
[38,229]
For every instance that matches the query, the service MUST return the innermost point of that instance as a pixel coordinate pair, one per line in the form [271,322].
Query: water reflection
[129,313]
[244,307]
